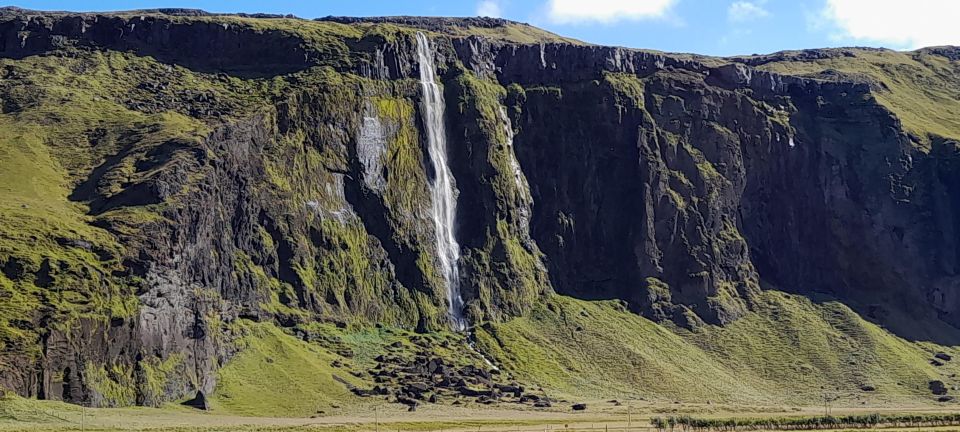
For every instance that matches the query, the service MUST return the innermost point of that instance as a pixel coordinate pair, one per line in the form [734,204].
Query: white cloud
[902,24]
[606,11]
[741,11]
[489,8]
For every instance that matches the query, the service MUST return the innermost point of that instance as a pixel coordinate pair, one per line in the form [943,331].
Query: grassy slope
[782,353]
[516,33]
[920,88]
[54,106]
[278,375]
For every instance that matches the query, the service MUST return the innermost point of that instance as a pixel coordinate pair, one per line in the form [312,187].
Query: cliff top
[919,86]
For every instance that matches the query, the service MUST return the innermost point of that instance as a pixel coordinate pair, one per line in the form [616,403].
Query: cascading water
[443,190]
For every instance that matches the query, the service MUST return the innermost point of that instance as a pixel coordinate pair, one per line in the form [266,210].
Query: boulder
[199,401]
[579,407]
[937,387]
[943,356]
[417,388]
[412,403]
[467,391]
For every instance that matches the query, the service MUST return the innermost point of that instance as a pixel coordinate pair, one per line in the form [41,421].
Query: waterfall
[443,190]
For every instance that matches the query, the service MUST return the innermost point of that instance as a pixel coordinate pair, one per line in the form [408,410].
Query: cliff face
[213,169]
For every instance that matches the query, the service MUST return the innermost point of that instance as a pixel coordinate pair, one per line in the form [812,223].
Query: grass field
[634,415]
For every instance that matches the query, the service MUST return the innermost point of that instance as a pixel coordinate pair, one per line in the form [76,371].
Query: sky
[712,27]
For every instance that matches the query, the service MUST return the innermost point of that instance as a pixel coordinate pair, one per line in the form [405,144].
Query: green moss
[348,272]
[507,269]
[112,385]
[406,189]
[658,290]
[628,88]
[158,374]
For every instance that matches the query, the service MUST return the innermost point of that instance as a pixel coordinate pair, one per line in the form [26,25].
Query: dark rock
[467,391]
[945,398]
[542,404]
[361,392]
[199,402]
[416,389]
[579,407]
[408,401]
[434,366]
[868,388]
[943,356]
[937,387]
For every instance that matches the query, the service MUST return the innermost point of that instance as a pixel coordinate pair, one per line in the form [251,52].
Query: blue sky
[715,27]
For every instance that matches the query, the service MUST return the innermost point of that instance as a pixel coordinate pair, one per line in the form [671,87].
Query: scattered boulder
[937,387]
[510,388]
[467,391]
[579,407]
[936,362]
[542,404]
[529,398]
[417,388]
[199,401]
[945,399]
[943,356]
[868,388]
[412,403]
[361,392]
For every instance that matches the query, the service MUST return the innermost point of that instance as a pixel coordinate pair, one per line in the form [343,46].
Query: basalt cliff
[182,191]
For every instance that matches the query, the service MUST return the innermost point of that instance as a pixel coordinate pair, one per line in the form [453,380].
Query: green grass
[919,87]
[276,374]
[516,33]
[34,214]
[65,117]
[783,352]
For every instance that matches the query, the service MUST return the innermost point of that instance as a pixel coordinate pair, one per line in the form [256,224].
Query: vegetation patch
[276,374]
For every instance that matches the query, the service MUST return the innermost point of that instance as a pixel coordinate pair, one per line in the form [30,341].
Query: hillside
[249,207]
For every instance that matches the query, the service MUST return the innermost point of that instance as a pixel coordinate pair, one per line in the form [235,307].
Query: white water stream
[443,189]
